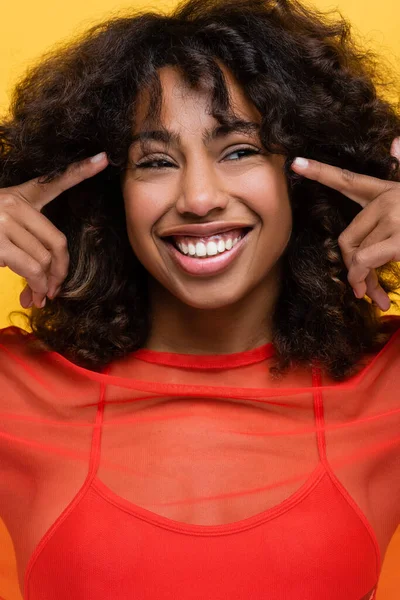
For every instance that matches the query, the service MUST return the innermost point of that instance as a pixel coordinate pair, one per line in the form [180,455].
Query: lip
[204,229]
[202,267]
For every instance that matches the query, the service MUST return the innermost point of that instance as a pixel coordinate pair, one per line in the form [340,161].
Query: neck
[180,328]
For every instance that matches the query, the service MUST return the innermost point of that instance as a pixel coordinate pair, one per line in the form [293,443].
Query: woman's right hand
[30,245]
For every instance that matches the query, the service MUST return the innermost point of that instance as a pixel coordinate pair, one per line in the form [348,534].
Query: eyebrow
[170,137]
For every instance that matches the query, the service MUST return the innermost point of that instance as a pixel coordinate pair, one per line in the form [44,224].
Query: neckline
[206,361]
[312,481]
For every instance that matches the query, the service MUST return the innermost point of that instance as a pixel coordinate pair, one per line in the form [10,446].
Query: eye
[156,163]
[242,152]
[162,163]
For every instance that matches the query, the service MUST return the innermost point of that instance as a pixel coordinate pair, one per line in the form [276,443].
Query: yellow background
[30,28]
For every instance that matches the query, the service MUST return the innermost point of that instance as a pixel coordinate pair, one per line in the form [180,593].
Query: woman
[209,390]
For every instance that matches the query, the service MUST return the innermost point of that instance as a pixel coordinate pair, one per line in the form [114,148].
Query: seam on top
[319,412]
[363,518]
[127,383]
[351,383]
[211,530]
[210,361]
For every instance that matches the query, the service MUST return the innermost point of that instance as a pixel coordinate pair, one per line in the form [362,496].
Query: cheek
[270,200]
[141,212]
[267,195]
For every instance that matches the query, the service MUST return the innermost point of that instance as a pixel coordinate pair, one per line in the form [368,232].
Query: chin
[210,301]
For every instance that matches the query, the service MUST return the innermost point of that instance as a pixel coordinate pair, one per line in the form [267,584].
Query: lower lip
[207,266]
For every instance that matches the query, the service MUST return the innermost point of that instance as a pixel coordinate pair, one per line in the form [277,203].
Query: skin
[231,311]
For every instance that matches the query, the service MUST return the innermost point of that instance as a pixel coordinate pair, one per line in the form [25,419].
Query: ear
[395,148]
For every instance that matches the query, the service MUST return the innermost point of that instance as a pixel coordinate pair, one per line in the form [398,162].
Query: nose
[201,190]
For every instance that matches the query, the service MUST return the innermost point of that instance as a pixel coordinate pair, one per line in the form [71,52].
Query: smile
[205,265]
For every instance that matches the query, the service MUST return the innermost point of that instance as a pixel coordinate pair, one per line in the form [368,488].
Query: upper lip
[203,229]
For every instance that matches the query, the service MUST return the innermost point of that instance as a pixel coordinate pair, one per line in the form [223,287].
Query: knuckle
[343,239]
[358,259]
[78,169]
[347,175]
[45,260]
[61,243]
[64,273]
[393,218]
[5,218]
[9,201]
[318,173]
[35,270]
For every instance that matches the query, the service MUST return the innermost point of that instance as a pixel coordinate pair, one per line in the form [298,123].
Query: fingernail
[301,162]
[98,157]
[43,303]
[30,304]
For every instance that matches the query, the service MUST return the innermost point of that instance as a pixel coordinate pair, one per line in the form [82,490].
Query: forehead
[178,95]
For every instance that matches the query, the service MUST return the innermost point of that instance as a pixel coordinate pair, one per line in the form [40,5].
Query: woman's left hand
[373,237]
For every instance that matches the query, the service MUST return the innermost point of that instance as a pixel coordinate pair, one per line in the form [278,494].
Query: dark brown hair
[317,92]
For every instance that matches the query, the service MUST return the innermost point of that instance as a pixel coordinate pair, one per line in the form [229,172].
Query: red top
[178,476]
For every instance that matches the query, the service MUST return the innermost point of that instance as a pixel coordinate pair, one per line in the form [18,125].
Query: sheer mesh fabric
[177,476]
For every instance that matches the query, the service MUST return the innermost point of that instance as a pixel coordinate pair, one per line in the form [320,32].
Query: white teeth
[209,249]
[201,249]
[212,249]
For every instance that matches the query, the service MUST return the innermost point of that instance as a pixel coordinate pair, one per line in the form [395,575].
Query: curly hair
[317,93]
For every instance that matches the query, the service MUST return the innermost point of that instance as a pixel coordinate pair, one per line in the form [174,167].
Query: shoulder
[28,361]
[36,381]
[13,333]
[15,343]
[25,366]
[12,339]
[18,354]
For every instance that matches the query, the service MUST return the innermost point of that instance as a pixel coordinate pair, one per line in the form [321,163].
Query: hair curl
[317,93]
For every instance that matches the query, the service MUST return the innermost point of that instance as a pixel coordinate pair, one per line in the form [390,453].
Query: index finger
[39,194]
[360,188]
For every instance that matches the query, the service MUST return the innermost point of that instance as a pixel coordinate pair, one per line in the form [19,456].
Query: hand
[373,237]
[30,245]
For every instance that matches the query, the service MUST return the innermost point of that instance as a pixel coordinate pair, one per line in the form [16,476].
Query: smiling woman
[202,393]
[194,71]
